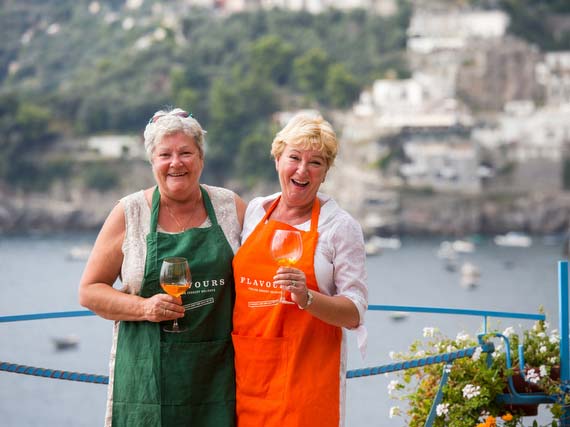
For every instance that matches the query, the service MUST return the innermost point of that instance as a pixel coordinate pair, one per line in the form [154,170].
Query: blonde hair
[307,131]
[168,122]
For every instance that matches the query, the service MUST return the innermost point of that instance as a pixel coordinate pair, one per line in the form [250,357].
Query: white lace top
[137,220]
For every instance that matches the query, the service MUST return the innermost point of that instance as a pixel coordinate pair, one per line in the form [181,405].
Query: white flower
[552,360]
[543,371]
[392,355]
[546,325]
[462,336]
[532,376]
[429,332]
[477,354]
[450,348]
[543,349]
[395,411]
[421,353]
[509,331]
[470,391]
[554,338]
[541,335]
[442,409]
[392,386]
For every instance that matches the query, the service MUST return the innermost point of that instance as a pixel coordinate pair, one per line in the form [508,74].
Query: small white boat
[446,251]
[513,239]
[376,244]
[463,246]
[79,253]
[470,275]
[372,248]
[388,242]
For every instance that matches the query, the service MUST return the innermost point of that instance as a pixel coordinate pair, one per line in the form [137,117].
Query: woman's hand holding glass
[161,307]
[294,283]
[175,279]
[286,250]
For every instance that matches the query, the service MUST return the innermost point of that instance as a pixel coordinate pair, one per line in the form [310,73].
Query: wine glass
[286,249]
[175,279]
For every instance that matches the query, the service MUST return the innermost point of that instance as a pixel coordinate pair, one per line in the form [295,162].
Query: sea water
[37,276]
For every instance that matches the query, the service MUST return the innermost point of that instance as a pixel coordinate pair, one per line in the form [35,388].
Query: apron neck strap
[315,212]
[209,207]
[156,208]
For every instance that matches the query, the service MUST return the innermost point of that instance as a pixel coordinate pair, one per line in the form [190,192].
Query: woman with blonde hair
[291,358]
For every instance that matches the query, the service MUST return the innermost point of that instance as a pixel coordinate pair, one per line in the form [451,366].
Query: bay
[37,276]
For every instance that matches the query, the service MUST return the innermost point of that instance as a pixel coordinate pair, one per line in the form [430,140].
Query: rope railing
[355,373]
[424,361]
[53,373]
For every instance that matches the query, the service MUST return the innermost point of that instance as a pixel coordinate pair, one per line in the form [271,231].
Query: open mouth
[300,183]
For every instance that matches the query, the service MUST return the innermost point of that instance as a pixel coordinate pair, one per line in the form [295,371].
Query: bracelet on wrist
[309,300]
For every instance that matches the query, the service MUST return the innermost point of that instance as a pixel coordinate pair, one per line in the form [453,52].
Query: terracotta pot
[522,386]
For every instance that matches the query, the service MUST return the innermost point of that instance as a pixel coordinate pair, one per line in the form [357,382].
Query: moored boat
[513,239]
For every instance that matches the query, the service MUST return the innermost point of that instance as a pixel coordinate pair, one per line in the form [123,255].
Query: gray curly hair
[168,122]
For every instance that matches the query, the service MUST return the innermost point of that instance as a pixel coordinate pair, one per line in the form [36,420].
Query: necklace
[180,226]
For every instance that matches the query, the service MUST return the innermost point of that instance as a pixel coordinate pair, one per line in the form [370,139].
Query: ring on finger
[293,284]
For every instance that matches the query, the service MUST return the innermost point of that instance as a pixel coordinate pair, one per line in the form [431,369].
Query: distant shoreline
[418,215]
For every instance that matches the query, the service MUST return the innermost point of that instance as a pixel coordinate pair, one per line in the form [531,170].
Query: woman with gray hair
[160,378]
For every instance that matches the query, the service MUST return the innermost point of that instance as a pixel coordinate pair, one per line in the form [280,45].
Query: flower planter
[522,386]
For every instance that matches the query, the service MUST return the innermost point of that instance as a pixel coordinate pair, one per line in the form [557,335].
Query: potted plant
[469,397]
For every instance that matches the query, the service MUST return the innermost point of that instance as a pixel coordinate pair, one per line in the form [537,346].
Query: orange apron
[287,361]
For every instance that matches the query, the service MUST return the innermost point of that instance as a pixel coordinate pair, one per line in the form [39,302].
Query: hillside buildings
[482,112]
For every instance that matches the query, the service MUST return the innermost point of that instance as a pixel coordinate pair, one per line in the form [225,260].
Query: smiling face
[177,165]
[301,172]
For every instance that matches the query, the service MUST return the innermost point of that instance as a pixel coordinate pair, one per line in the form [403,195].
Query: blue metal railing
[447,358]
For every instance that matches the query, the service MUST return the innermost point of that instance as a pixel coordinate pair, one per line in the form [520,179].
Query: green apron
[181,379]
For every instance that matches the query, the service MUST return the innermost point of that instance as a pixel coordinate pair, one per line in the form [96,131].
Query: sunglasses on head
[182,114]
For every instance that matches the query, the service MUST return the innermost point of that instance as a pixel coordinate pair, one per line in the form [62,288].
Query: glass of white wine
[286,249]
[175,279]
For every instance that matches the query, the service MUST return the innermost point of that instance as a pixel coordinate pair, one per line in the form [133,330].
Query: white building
[442,166]
[424,101]
[554,75]
[432,31]
[117,146]
[539,135]
[383,7]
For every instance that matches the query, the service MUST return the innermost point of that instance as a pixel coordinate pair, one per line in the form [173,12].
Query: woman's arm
[96,291]
[335,310]
[240,208]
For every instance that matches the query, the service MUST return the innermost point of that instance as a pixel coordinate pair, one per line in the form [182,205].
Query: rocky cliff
[417,214]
